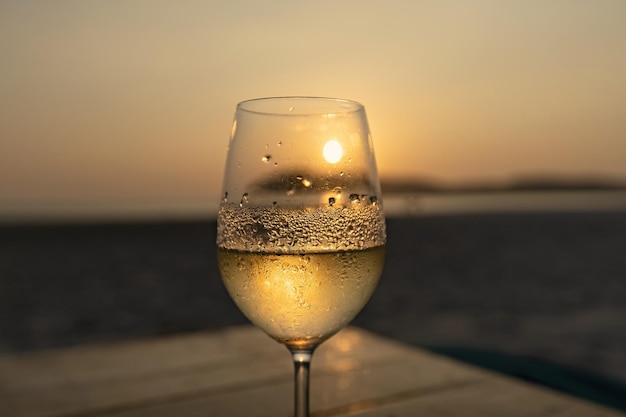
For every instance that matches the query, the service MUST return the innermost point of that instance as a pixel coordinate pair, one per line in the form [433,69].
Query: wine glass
[301,230]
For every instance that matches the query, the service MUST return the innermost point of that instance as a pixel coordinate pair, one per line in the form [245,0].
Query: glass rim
[286,106]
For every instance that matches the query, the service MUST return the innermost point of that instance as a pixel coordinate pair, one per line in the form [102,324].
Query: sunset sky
[127,105]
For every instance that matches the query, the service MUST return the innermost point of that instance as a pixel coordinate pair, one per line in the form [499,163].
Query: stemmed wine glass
[301,230]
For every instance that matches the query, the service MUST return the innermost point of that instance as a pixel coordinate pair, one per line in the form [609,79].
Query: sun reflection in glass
[333,151]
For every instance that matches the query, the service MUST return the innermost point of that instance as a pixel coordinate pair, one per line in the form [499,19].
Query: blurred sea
[542,283]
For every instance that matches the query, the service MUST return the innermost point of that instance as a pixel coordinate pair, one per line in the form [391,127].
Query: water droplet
[267,146]
[337,190]
[299,177]
[290,109]
[374,200]
[349,159]
[238,165]
[225,198]
[274,204]
[280,143]
[341,174]
[331,201]
[244,199]
[306,182]
[275,164]
[354,198]
[266,158]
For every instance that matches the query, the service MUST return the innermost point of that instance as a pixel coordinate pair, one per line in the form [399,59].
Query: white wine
[301,299]
[301,274]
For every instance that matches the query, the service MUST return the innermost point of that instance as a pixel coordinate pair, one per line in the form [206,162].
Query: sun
[333,151]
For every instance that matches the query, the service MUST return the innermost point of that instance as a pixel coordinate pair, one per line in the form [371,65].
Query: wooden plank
[84,364]
[390,389]
[242,372]
[73,380]
[492,396]
[331,393]
[77,380]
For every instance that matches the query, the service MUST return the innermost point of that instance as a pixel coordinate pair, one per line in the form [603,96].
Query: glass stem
[302,362]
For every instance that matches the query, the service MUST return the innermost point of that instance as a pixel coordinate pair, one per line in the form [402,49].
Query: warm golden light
[287,286]
[333,151]
[510,68]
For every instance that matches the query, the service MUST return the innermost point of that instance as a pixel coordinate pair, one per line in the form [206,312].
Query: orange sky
[122,105]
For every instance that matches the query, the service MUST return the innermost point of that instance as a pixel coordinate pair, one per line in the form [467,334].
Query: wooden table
[241,372]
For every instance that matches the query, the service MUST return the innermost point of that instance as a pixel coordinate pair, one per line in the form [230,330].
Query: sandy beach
[548,286]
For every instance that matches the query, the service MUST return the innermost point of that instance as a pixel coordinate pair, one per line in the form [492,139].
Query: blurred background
[500,139]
